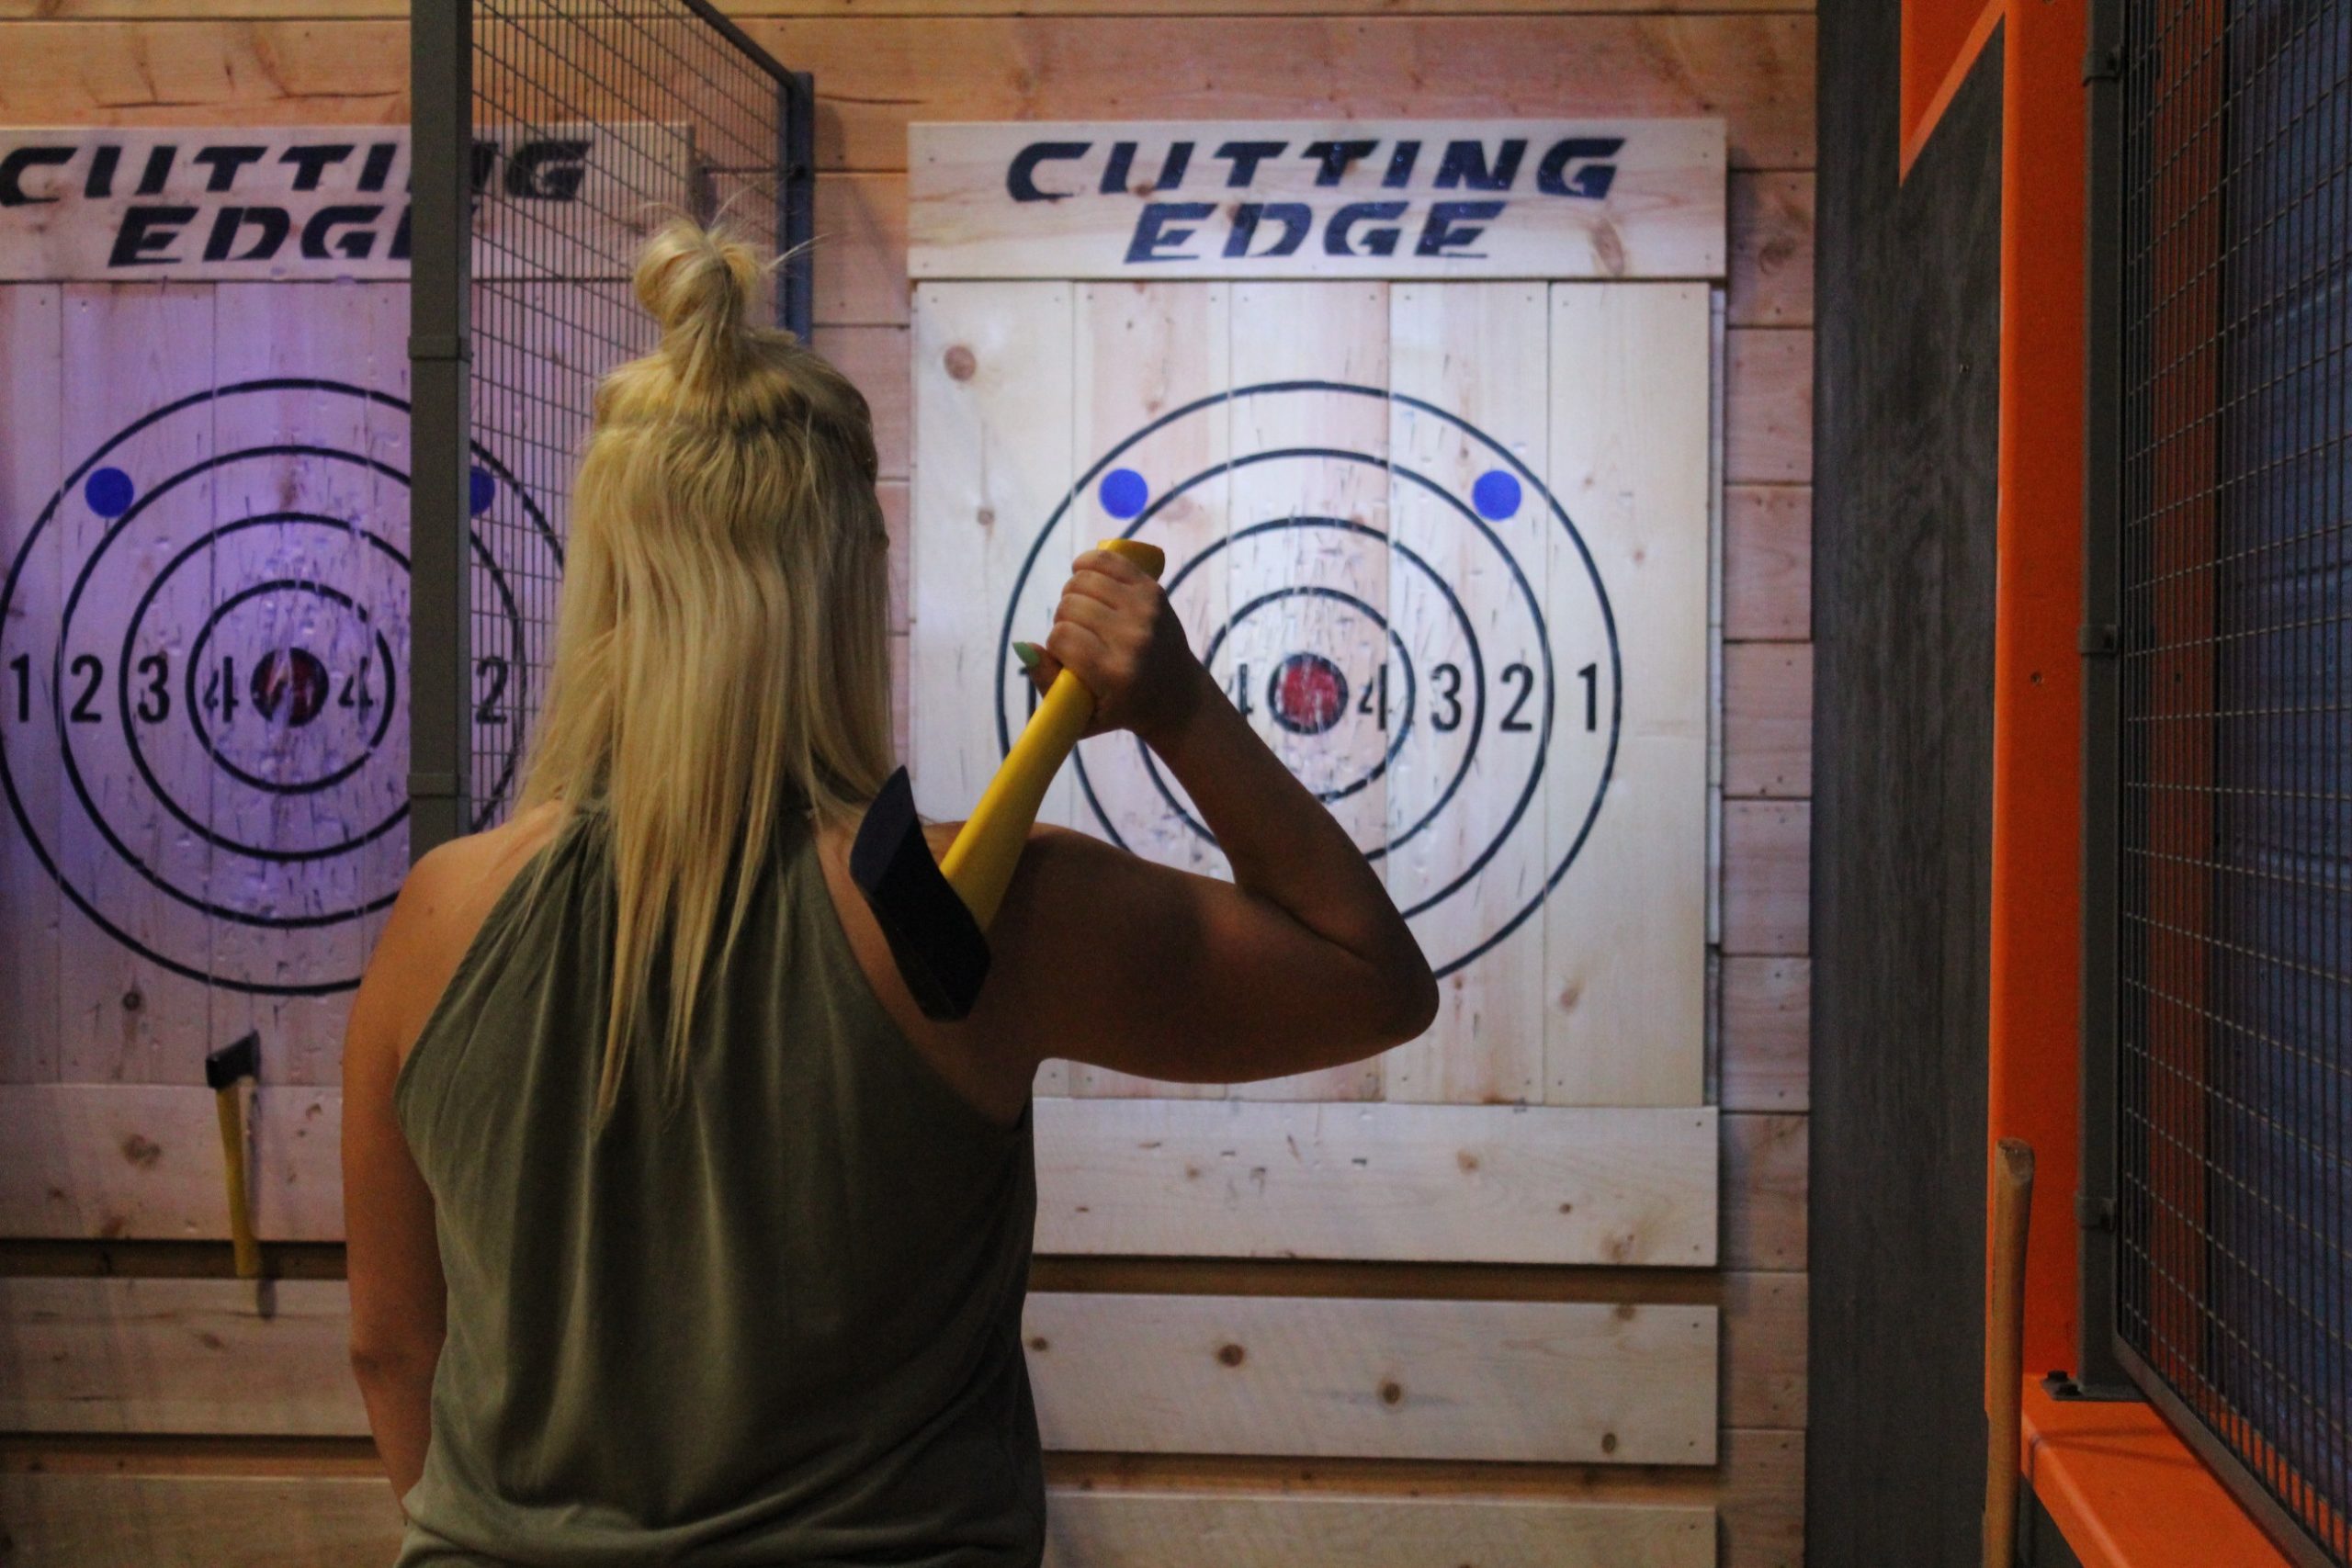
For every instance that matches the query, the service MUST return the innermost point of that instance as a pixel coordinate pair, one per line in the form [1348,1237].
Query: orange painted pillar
[2037,704]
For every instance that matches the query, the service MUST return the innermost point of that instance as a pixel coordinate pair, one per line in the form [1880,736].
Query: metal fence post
[440,574]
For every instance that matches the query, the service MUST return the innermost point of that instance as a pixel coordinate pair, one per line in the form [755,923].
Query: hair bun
[702,285]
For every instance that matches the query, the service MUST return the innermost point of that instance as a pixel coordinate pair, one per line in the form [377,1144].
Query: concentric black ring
[10,589]
[1530,484]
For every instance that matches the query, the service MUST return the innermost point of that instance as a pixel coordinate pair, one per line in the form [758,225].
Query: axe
[936,913]
[223,1070]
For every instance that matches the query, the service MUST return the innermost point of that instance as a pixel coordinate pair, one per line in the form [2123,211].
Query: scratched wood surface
[1143,352]
[1626,929]
[129,1018]
[341,449]
[33,911]
[1331,332]
[1477,350]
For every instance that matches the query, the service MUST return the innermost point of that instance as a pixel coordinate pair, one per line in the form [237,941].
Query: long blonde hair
[721,651]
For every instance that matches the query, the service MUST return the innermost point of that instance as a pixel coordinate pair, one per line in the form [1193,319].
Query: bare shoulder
[442,903]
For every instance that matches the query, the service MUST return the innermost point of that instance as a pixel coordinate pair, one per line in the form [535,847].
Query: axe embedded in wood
[223,1070]
[936,913]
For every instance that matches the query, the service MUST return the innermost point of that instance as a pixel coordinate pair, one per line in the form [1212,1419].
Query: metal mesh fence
[2233,931]
[590,122]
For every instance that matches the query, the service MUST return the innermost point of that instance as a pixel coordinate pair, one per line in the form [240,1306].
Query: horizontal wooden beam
[1429,1183]
[876,74]
[357,10]
[143,1160]
[1552,1382]
[98,1520]
[1467,1183]
[1574,1382]
[1767,563]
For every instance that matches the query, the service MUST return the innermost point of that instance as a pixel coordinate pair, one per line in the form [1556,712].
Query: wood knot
[142,1150]
[1609,1442]
[1467,1160]
[1390,1392]
[1231,1355]
[960,363]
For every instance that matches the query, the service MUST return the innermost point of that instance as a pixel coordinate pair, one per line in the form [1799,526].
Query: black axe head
[941,951]
[238,1059]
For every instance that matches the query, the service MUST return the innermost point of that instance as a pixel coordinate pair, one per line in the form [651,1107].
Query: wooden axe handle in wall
[224,1069]
[2005,1347]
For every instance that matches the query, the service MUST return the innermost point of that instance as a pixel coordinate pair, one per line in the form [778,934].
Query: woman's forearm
[1284,846]
[399,1396]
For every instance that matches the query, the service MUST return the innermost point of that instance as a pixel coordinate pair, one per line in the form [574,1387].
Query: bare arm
[392,1258]
[1301,962]
[399,1296]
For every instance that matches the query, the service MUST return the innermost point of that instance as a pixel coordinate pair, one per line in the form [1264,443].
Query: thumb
[1042,667]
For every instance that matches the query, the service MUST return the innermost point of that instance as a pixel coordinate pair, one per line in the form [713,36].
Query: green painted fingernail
[1027,653]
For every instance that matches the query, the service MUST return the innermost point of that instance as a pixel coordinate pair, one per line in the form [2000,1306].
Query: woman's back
[774,1320]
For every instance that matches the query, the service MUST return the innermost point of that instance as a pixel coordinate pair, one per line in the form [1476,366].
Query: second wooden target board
[1444,545]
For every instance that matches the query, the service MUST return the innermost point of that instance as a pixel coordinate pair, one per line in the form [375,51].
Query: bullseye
[1308,693]
[290,672]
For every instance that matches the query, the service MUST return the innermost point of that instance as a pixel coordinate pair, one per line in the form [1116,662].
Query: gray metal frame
[796,159]
[441,806]
[2097,1371]
[440,427]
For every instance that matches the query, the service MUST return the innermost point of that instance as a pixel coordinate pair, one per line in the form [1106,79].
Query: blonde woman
[677,1233]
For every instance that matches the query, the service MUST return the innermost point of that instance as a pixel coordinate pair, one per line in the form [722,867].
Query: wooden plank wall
[143,1495]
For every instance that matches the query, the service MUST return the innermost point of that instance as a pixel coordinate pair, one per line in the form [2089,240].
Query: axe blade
[941,951]
[238,1059]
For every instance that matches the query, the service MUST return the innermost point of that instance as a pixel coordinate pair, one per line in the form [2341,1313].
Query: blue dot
[108,491]
[1497,495]
[1124,492]
[481,491]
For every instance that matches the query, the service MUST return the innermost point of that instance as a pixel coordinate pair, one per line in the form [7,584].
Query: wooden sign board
[1318,199]
[318,203]
[1444,544]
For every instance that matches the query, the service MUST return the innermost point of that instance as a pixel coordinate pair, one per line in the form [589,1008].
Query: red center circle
[1308,693]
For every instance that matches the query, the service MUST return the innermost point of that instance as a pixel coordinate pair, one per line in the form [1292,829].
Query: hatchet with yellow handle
[936,914]
[235,1062]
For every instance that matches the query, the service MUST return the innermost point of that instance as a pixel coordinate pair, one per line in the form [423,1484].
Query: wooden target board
[204,589]
[1438,521]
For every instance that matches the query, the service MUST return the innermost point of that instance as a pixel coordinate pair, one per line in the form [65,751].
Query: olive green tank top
[779,1325]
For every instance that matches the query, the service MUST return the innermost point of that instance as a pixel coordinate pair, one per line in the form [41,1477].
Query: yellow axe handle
[979,863]
[233,1146]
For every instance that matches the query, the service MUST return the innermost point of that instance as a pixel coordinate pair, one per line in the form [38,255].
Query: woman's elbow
[377,1361]
[1413,1000]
